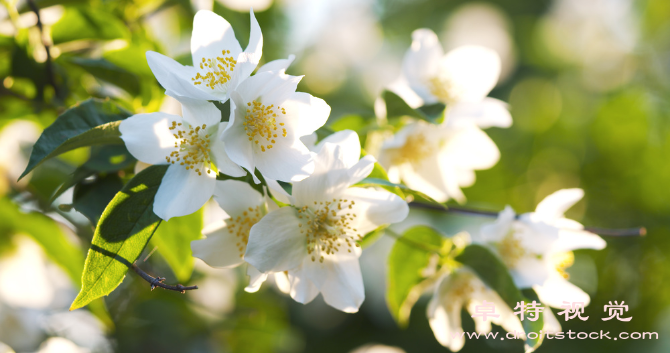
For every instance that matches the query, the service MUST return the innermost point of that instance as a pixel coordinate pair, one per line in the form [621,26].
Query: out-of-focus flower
[437,159]
[315,239]
[461,79]
[220,63]
[60,345]
[377,348]
[459,289]
[193,148]
[16,138]
[5,348]
[245,5]
[267,119]
[227,239]
[537,247]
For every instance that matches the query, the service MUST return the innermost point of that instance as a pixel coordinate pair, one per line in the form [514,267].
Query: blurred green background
[587,82]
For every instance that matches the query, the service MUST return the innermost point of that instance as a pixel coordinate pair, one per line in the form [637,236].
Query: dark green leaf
[224,108]
[93,122]
[91,197]
[496,275]
[408,259]
[396,107]
[106,71]
[86,23]
[173,240]
[124,230]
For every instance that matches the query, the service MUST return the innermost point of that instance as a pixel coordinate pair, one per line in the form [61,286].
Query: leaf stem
[158,281]
[629,232]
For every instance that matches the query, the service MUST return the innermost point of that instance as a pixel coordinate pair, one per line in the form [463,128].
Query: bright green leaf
[106,71]
[93,122]
[124,230]
[86,23]
[396,107]
[408,259]
[494,273]
[173,240]
[90,198]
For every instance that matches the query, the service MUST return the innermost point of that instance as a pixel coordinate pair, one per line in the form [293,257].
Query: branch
[49,65]
[158,281]
[630,232]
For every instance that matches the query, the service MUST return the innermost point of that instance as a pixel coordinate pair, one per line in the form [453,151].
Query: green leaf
[124,230]
[173,240]
[372,237]
[349,122]
[396,107]
[408,259]
[106,71]
[93,122]
[91,197]
[400,190]
[495,274]
[86,23]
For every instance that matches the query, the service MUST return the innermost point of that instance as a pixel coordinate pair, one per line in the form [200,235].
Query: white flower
[227,239]
[463,288]
[537,247]
[267,119]
[219,62]
[461,79]
[315,238]
[436,159]
[16,140]
[190,145]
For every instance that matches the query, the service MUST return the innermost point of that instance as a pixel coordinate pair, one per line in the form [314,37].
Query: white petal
[256,279]
[283,283]
[271,87]
[555,205]
[182,192]
[469,148]
[472,72]
[237,144]
[556,289]
[236,197]
[218,249]
[301,289]
[278,191]
[275,243]
[494,232]
[339,279]
[220,158]
[435,187]
[175,77]
[569,240]
[211,35]
[551,323]
[278,65]
[446,326]
[148,137]
[310,141]
[198,112]
[350,146]
[249,59]
[529,272]
[286,161]
[361,169]
[375,208]
[486,113]
[421,63]
[329,177]
[305,114]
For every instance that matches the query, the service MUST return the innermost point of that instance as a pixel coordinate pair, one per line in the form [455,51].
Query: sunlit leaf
[409,258]
[86,23]
[106,71]
[173,240]
[91,197]
[124,230]
[93,122]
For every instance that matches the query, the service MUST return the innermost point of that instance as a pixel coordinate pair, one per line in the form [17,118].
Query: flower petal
[236,197]
[569,240]
[469,148]
[218,249]
[556,289]
[275,243]
[305,114]
[339,279]
[375,208]
[301,289]
[148,137]
[211,35]
[350,146]
[421,63]
[529,272]
[486,113]
[220,158]
[237,144]
[471,70]
[256,279]
[277,65]
[555,205]
[278,191]
[271,87]
[247,61]
[198,112]
[286,161]
[182,192]
[175,77]
[361,169]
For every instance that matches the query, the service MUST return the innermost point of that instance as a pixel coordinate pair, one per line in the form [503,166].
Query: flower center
[442,88]
[510,249]
[328,228]
[215,72]
[562,261]
[191,147]
[261,124]
[241,226]
[415,150]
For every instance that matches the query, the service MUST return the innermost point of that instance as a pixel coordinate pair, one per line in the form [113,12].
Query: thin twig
[629,232]
[49,65]
[158,281]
